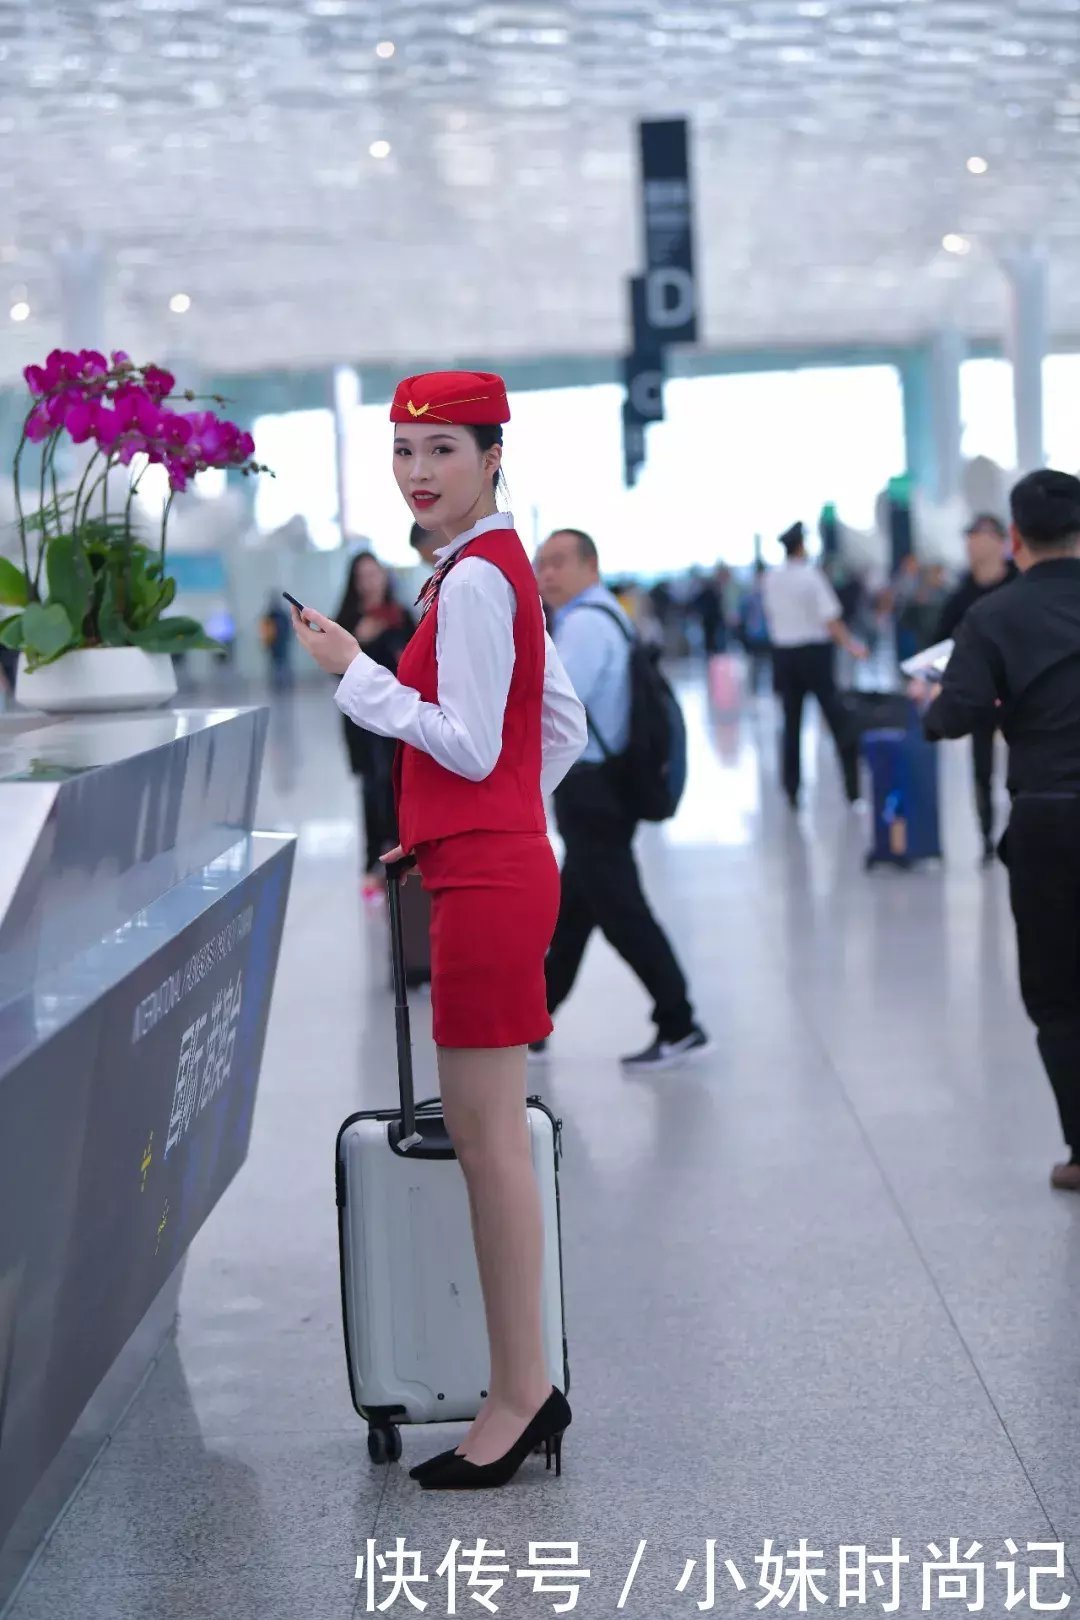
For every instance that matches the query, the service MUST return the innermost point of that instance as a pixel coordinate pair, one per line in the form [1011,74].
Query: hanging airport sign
[633,445]
[643,367]
[671,304]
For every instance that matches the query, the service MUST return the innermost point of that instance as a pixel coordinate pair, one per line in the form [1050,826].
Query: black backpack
[650,773]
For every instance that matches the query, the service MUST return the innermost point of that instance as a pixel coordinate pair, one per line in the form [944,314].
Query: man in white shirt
[806,625]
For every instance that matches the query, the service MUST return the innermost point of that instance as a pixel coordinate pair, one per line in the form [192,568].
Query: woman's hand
[397,854]
[332,648]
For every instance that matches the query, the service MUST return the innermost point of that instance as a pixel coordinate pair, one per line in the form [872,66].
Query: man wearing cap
[991,566]
[806,625]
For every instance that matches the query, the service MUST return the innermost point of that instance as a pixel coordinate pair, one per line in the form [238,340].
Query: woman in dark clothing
[382,627]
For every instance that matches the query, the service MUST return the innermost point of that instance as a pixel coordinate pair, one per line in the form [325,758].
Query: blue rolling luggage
[903,770]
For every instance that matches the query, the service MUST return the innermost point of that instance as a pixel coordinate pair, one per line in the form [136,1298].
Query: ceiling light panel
[830,146]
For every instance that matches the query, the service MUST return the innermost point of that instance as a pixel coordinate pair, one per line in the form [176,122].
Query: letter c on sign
[647,394]
[669,298]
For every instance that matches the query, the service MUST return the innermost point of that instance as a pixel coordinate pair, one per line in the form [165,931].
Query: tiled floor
[817,1287]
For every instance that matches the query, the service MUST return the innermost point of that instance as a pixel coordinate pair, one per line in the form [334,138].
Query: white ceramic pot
[97,680]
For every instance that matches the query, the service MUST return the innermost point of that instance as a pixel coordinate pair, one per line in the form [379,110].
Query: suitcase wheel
[384,1444]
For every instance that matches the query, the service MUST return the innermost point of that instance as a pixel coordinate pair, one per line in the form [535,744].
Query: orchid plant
[91,582]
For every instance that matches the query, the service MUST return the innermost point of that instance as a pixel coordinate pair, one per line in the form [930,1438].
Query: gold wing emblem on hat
[447,405]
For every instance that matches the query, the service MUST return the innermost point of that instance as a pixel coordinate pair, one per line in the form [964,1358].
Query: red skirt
[494,904]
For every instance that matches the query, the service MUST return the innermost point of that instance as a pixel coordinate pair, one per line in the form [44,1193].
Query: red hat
[466,398]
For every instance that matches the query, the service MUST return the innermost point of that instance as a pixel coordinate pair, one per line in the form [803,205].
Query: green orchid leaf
[47,631]
[11,632]
[173,636]
[111,626]
[14,588]
[67,570]
[36,661]
[45,518]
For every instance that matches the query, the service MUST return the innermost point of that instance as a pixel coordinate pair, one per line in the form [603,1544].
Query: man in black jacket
[1017,661]
[990,568]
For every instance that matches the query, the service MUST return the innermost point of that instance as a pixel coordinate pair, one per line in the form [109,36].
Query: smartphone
[299,606]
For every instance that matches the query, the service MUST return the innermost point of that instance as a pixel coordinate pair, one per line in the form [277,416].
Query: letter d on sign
[669,298]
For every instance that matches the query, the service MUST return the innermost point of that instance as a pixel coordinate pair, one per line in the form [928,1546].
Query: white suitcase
[415,1339]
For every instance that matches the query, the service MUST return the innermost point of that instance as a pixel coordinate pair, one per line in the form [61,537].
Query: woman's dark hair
[486,436]
[350,610]
[1046,507]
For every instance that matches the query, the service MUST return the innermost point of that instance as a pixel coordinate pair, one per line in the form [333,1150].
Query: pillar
[930,379]
[914,368]
[80,270]
[347,396]
[947,350]
[1026,347]
[80,265]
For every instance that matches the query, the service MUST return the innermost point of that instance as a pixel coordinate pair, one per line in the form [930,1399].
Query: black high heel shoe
[546,1429]
[432,1463]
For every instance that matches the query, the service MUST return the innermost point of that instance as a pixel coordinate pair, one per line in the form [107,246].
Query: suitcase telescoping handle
[395,876]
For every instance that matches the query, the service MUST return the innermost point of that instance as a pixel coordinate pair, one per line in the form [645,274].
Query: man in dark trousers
[601,884]
[990,568]
[806,625]
[1017,663]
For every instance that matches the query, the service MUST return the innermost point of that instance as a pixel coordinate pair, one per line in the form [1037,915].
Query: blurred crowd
[704,612]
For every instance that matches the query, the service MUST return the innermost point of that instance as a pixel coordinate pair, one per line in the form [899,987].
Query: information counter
[140,922]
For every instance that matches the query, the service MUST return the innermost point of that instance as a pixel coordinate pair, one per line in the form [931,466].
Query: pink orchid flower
[158,383]
[80,419]
[38,428]
[107,428]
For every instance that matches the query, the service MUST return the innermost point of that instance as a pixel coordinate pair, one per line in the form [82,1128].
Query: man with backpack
[632,769]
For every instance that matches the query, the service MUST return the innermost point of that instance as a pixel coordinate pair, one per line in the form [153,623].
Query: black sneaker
[670,1054]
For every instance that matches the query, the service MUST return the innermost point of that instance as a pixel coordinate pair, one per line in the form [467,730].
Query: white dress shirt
[474,650]
[799,603]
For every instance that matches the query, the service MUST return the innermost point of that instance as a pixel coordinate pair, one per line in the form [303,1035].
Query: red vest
[433,802]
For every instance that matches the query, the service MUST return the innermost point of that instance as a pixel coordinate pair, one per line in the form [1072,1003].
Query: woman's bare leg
[483,1095]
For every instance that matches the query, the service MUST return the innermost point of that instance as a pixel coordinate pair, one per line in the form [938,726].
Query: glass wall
[987,427]
[738,455]
[1061,411]
[986,411]
[301,448]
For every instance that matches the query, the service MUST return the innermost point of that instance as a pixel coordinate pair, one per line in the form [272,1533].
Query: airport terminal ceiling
[331,180]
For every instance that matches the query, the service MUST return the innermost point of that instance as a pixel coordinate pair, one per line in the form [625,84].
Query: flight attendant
[487,721]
